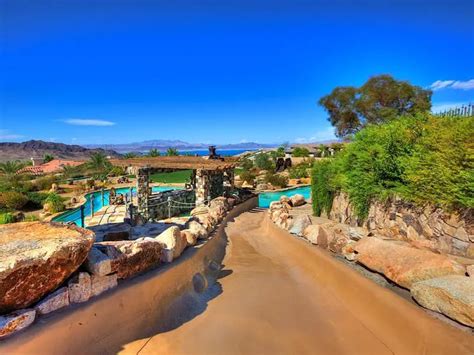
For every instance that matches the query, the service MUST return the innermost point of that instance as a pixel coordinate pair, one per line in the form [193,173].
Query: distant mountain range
[37,149]
[162,145]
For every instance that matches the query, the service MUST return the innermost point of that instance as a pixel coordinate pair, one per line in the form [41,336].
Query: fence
[464,111]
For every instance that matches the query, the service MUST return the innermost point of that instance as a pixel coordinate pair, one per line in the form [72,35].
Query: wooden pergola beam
[177,162]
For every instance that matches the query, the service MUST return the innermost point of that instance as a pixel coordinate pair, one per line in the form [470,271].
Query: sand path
[283,296]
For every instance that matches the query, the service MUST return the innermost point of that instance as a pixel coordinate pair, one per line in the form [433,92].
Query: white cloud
[7,135]
[325,134]
[465,85]
[452,84]
[88,122]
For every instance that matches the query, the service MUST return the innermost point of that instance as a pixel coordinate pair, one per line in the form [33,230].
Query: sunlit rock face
[35,258]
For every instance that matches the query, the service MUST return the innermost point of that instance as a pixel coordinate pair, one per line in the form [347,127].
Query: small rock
[100,284]
[262,187]
[311,233]
[79,288]
[451,295]
[284,199]
[98,263]
[56,300]
[297,200]
[16,321]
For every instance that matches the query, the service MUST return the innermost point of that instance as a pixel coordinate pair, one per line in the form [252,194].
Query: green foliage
[117,171]
[246,163]
[280,152]
[171,152]
[301,170]
[421,158]
[276,180]
[30,218]
[47,158]
[130,155]
[153,153]
[54,203]
[12,200]
[299,152]
[44,182]
[99,165]
[6,218]
[10,167]
[36,199]
[263,161]
[323,188]
[247,176]
[381,99]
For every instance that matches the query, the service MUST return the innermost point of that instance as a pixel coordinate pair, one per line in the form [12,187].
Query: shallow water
[265,198]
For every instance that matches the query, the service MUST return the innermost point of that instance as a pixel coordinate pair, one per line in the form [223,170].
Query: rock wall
[427,227]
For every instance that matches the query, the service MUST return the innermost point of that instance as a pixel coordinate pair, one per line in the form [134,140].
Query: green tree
[154,153]
[171,152]
[280,152]
[299,152]
[47,158]
[10,167]
[381,99]
[99,164]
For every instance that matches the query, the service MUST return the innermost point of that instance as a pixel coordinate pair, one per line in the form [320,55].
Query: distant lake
[203,152]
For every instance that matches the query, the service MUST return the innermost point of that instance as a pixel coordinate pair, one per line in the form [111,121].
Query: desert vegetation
[420,158]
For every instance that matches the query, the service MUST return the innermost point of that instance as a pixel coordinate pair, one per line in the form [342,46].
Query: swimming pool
[75,214]
[265,198]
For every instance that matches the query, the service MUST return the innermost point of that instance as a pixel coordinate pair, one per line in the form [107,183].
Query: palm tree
[172,152]
[154,153]
[47,158]
[98,161]
[10,167]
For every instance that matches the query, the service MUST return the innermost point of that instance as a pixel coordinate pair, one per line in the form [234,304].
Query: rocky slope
[37,149]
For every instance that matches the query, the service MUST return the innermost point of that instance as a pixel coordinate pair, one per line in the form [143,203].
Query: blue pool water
[75,214]
[264,199]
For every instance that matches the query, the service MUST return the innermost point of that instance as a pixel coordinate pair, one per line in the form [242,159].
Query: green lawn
[176,177]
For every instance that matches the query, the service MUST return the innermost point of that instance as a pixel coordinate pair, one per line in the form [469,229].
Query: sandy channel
[279,295]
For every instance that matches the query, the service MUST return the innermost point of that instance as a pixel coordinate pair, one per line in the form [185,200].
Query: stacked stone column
[143,190]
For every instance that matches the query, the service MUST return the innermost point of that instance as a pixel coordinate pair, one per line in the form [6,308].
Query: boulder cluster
[48,266]
[439,282]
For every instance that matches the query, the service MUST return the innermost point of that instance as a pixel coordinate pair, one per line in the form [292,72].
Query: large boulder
[128,258]
[35,258]
[297,200]
[191,238]
[300,222]
[172,242]
[451,295]
[402,263]
[217,212]
[207,221]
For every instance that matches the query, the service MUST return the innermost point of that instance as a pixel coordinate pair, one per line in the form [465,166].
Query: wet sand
[278,295]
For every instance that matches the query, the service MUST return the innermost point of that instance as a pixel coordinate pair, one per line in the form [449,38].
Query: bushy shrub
[423,159]
[299,152]
[117,171]
[30,218]
[276,180]
[247,176]
[12,200]
[36,199]
[246,163]
[6,218]
[44,182]
[54,203]
[264,161]
[301,170]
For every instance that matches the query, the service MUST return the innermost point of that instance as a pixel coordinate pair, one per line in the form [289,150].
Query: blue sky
[119,71]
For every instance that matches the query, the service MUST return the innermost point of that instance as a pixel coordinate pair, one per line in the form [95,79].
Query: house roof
[177,162]
[53,166]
